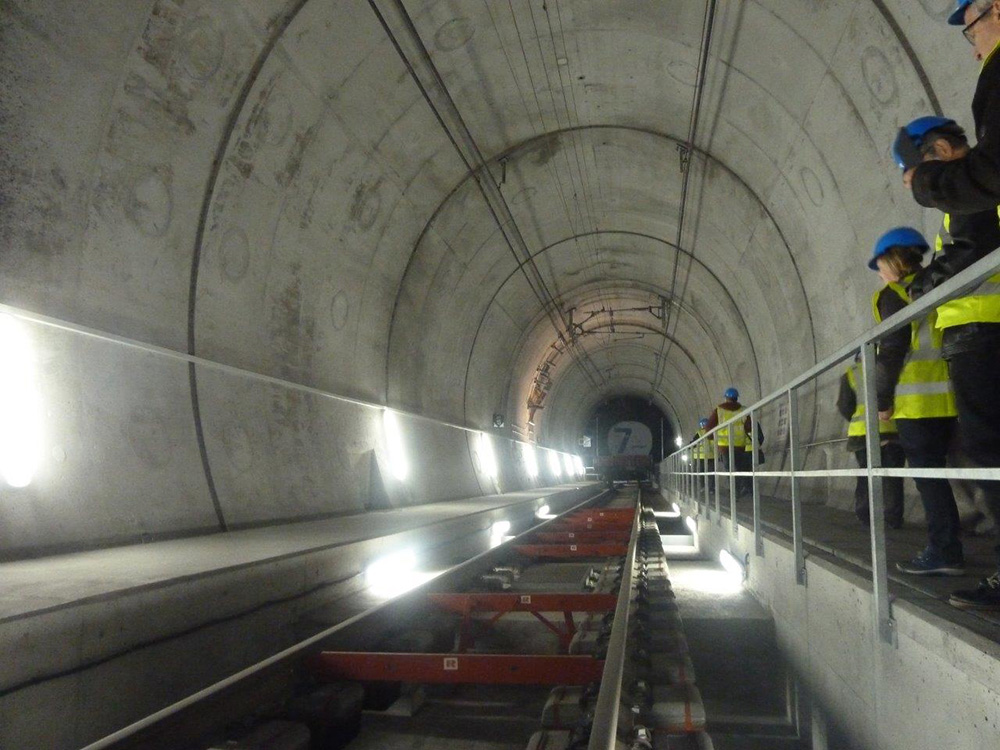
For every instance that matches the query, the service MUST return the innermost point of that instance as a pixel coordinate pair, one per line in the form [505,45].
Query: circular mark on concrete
[366,204]
[149,204]
[682,72]
[453,34]
[276,120]
[877,71]
[238,447]
[200,48]
[524,195]
[340,307]
[812,185]
[147,436]
[235,252]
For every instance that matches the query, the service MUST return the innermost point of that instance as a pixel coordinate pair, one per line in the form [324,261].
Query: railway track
[565,636]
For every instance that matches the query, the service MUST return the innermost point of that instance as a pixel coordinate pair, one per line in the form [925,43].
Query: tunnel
[285,284]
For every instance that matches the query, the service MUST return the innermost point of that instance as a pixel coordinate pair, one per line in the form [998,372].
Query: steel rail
[297,650]
[604,730]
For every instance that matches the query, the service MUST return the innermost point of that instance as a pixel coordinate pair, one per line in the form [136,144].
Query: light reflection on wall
[20,405]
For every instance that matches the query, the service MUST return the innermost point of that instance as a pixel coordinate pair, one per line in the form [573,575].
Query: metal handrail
[960,282]
[685,478]
[604,730]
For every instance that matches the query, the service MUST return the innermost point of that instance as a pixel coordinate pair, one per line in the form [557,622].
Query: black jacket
[892,350]
[970,238]
[972,183]
[968,189]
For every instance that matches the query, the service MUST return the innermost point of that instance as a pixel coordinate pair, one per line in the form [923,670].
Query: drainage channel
[566,636]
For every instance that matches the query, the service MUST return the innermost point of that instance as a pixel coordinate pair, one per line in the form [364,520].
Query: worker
[912,387]
[748,448]
[743,461]
[851,405]
[964,185]
[704,450]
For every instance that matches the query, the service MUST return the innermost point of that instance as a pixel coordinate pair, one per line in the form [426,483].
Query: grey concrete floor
[33,586]
[838,533]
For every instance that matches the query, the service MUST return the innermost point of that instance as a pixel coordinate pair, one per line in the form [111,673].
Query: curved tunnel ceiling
[265,185]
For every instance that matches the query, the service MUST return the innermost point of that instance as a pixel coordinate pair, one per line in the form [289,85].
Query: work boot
[986,596]
[931,563]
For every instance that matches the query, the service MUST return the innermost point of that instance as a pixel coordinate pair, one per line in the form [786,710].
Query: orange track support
[571,551]
[486,669]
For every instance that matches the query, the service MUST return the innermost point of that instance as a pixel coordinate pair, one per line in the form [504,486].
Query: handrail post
[758,532]
[718,487]
[885,625]
[704,469]
[732,483]
[793,460]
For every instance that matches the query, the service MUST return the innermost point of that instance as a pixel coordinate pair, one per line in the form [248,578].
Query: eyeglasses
[967,31]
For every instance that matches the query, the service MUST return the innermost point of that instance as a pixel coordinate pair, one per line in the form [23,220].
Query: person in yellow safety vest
[912,387]
[971,322]
[851,405]
[740,429]
[748,448]
[704,450]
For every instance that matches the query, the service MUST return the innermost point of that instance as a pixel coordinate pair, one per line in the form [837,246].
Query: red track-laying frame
[606,549]
[485,669]
[465,603]
[586,536]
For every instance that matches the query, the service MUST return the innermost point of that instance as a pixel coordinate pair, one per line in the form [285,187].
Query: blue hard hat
[702,423]
[898,237]
[910,138]
[957,17]
[732,394]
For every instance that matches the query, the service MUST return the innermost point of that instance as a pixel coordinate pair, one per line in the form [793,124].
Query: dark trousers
[892,487]
[975,376]
[925,442]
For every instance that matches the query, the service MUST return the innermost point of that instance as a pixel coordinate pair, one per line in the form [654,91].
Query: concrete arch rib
[624,231]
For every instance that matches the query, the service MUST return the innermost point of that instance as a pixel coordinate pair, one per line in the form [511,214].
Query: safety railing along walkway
[691,480]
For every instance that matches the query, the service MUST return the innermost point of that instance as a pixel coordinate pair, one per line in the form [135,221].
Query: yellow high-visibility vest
[704,449]
[980,304]
[856,427]
[924,389]
[739,432]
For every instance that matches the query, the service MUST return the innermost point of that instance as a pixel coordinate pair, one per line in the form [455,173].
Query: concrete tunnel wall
[261,184]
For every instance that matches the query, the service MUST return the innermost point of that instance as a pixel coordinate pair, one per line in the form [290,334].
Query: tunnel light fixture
[691,524]
[736,570]
[487,458]
[578,464]
[676,507]
[544,512]
[554,466]
[498,533]
[684,457]
[398,463]
[568,464]
[20,406]
[393,575]
[679,441]
[530,461]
